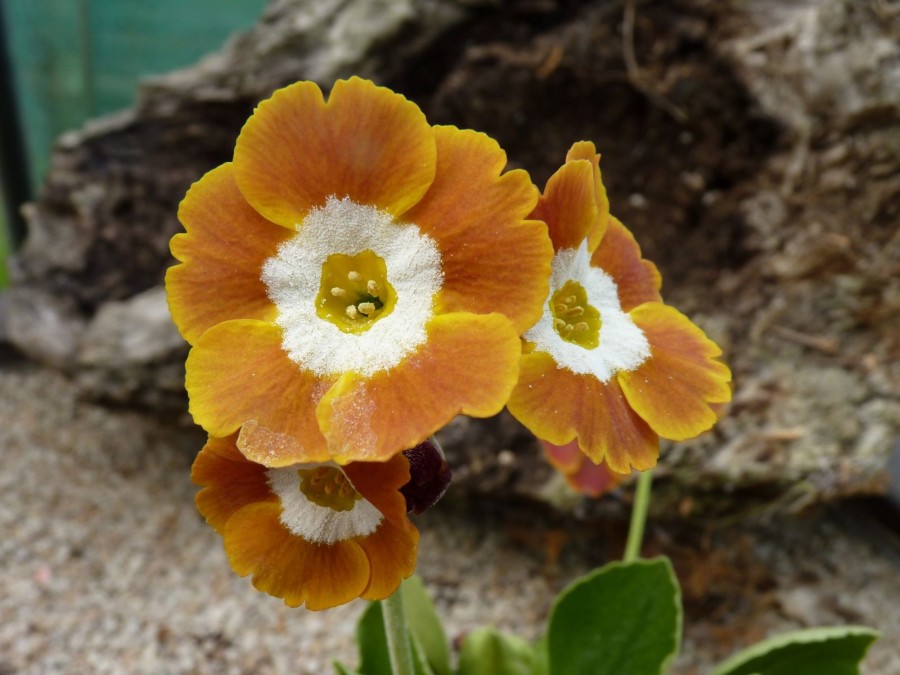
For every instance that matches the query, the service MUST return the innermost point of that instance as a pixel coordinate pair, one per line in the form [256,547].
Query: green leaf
[486,651]
[622,618]
[425,625]
[341,669]
[374,658]
[817,651]
[540,665]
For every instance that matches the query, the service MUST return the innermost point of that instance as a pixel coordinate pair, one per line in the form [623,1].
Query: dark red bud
[429,476]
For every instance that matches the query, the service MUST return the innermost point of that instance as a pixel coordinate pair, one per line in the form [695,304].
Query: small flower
[354,279]
[608,364]
[582,475]
[316,534]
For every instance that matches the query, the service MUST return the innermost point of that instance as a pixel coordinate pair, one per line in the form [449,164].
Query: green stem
[638,517]
[399,646]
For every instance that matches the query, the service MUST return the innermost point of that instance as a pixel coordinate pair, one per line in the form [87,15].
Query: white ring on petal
[314,523]
[623,346]
[293,276]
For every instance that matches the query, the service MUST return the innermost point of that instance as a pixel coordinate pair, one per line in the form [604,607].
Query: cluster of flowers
[354,279]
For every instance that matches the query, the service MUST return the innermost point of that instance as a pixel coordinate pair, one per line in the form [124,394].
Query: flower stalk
[638,517]
[397,631]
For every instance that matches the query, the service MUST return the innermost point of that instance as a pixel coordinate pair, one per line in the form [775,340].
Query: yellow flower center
[328,486]
[354,292]
[573,318]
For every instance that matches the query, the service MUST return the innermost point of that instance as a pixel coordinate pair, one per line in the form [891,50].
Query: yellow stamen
[354,276]
[372,287]
[366,308]
[352,311]
[338,292]
[574,318]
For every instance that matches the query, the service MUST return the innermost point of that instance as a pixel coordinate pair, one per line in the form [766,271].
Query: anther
[353,275]
[328,488]
[344,490]
[575,311]
[559,324]
[372,287]
[570,300]
[366,308]
[562,309]
[338,292]
[567,329]
[581,325]
[352,311]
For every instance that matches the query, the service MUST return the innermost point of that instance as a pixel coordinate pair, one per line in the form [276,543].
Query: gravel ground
[108,568]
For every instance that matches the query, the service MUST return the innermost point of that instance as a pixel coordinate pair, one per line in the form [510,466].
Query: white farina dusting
[622,346]
[293,276]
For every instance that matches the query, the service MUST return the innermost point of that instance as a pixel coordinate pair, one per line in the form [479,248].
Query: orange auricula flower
[316,534]
[354,278]
[608,364]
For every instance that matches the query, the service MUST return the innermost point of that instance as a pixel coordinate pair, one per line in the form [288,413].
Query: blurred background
[753,148]
[66,61]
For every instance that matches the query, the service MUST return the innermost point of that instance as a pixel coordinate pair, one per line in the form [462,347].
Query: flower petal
[391,550]
[593,480]
[673,389]
[638,281]
[467,365]
[288,566]
[587,150]
[558,406]
[380,483]
[229,481]
[569,206]
[366,143]
[221,255]
[492,259]
[238,374]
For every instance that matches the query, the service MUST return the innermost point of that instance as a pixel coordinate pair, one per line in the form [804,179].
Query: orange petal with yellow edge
[673,389]
[593,480]
[559,406]
[586,150]
[638,281]
[288,566]
[467,365]
[391,551]
[380,483]
[221,255]
[366,143]
[238,374]
[492,259]
[229,481]
[569,207]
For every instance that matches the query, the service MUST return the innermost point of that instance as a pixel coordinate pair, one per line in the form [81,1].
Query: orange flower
[313,534]
[354,279]
[593,480]
[608,364]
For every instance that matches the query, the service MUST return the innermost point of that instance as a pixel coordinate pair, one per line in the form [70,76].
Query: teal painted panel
[74,59]
[50,74]
[134,39]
